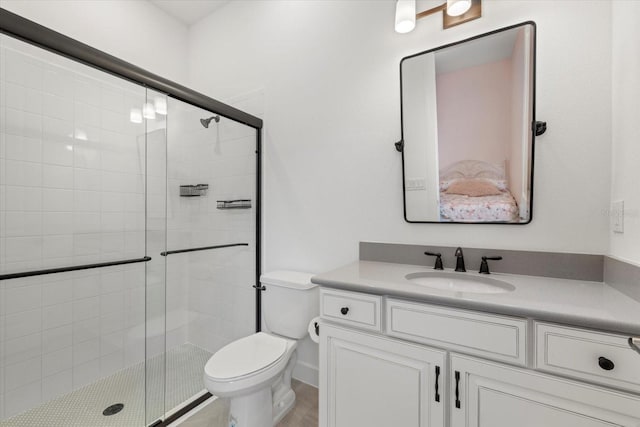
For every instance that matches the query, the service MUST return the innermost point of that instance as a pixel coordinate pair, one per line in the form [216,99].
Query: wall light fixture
[456,12]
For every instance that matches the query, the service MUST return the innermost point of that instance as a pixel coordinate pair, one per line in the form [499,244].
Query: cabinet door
[372,381]
[486,394]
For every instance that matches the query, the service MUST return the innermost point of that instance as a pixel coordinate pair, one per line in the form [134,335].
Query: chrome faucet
[460,260]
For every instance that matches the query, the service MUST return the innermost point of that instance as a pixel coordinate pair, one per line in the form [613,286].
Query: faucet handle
[438,256]
[484,265]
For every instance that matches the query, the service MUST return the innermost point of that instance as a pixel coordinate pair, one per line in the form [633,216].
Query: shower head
[205,122]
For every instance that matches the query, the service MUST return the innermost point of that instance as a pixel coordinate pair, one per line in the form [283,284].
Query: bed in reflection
[476,191]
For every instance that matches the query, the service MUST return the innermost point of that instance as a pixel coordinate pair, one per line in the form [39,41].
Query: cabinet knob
[605,363]
[344,310]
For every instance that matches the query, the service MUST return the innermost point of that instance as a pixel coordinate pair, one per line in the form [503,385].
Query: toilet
[255,371]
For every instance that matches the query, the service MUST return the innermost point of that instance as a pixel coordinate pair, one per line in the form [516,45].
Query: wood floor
[303,414]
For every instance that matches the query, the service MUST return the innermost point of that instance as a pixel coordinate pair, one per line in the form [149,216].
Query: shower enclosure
[129,245]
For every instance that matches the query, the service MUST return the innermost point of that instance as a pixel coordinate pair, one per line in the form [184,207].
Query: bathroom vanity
[397,348]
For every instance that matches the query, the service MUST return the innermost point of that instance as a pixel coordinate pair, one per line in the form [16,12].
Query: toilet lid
[244,356]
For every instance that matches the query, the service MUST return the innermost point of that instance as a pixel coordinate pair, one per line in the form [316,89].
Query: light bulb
[135,116]
[405,16]
[457,7]
[81,135]
[160,105]
[148,111]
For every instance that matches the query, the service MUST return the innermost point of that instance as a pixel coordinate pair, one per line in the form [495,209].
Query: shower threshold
[84,407]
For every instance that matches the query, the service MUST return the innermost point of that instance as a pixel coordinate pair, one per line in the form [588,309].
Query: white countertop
[574,302]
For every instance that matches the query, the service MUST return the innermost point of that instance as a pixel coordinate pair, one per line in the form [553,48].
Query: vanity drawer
[576,353]
[351,308]
[491,336]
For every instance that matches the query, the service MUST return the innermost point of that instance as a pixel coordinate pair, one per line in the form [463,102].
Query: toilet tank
[289,302]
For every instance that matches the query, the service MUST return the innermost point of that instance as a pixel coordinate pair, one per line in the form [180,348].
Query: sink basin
[460,282]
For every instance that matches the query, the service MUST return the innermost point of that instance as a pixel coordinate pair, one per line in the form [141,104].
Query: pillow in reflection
[473,188]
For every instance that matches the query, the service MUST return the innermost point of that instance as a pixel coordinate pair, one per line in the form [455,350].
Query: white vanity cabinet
[491,336]
[375,381]
[390,362]
[596,357]
[489,394]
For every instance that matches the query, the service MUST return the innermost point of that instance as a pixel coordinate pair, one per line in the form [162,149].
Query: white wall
[626,127]
[135,31]
[330,75]
[520,131]
[421,157]
[469,127]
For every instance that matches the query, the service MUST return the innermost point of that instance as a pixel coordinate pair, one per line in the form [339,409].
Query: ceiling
[189,11]
[484,50]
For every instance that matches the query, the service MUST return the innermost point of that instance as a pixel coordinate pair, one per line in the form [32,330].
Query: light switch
[413,184]
[617,216]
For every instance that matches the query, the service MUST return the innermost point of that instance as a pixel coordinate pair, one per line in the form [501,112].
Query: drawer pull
[458,389]
[344,310]
[634,343]
[605,363]
[437,378]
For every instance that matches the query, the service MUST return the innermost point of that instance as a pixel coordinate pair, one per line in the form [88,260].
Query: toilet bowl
[255,371]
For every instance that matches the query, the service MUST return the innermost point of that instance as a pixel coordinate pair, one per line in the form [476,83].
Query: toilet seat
[247,364]
[245,356]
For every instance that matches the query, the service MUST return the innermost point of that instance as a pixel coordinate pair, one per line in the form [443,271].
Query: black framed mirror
[468,129]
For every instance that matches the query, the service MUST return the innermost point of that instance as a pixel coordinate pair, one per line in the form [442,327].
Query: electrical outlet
[413,184]
[617,216]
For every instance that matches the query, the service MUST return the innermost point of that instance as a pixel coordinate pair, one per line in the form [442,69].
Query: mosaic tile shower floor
[83,407]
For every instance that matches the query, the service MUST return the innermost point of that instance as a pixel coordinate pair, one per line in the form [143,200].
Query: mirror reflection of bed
[467,111]
[476,191]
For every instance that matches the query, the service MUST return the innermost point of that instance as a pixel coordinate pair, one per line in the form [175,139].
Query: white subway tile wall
[72,191]
[210,299]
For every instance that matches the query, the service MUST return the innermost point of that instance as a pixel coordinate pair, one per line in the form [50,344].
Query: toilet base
[265,407]
[252,410]
[283,396]
[283,405]
[259,409]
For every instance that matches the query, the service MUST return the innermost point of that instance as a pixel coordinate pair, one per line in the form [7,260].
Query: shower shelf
[194,190]
[234,204]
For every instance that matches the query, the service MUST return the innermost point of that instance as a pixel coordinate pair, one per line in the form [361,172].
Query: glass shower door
[211,261]
[73,211]
[156,114]
[127,244]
